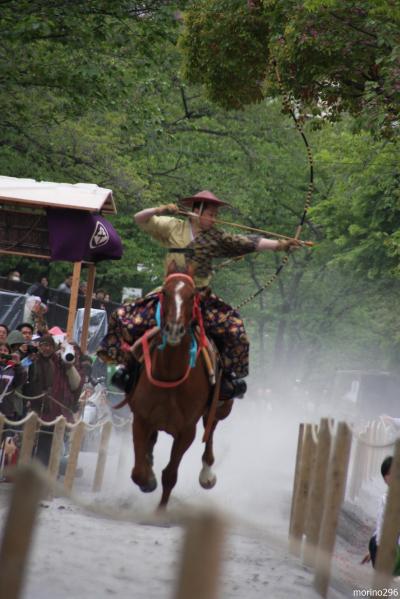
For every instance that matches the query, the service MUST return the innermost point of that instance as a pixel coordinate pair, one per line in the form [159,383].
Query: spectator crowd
[40,372]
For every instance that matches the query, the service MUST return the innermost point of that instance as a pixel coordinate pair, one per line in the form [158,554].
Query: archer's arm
[264,245]
[145,215]
[242,244]
[276,245]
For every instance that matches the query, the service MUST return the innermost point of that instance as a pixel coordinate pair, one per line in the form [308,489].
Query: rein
[147,363]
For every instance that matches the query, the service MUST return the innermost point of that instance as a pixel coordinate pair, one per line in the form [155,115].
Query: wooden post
[357,467]
[386,556]
[352,471]
[56,448]
[300,501]
[88,306]
[73,456]
[29,488]
[317,492]
[367,450]
[371,440]
[374,449]
[381,439]
[125,443]
[73,300]
[28,438]
[334,496]
[201,558]
[296,472]
[102,456]
[386,435]
[364,464]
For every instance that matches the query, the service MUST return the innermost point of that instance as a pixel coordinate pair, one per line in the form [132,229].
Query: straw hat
[206,197]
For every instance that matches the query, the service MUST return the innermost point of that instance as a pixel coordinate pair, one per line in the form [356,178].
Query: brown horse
[171,394]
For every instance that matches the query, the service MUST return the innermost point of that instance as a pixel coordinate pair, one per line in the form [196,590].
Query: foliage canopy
[333,56]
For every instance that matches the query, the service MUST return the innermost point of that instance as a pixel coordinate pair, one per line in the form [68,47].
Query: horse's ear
[191,269]
[171,267]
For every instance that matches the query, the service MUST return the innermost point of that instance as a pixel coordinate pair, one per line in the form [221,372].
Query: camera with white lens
[67,353]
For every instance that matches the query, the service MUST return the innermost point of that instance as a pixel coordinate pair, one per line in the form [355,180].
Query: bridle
[195,347]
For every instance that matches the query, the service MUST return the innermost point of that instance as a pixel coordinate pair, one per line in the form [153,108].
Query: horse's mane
[183,270]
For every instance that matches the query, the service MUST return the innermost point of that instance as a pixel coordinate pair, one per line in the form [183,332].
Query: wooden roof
[44,194]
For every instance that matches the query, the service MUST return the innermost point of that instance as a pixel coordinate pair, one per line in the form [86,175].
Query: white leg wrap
[207,477]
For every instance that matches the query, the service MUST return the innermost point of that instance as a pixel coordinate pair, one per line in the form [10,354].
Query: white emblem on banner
[100,236]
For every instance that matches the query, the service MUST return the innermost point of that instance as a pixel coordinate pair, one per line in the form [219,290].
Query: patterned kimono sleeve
[236,245]
[215,243]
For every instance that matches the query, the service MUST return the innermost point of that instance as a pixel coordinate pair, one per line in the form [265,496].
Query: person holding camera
[13,404]
[54,386]
[12,378]
[21,341]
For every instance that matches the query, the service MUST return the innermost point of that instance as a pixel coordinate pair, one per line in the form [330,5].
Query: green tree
[333,56]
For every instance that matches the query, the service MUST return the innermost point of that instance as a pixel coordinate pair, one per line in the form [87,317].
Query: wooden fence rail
[29,429]
[318,496]
[321,475]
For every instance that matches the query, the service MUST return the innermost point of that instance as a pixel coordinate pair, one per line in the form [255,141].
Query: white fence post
[102,456]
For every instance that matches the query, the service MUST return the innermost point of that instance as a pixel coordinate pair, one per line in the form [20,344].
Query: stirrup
[125,378]
[231,388]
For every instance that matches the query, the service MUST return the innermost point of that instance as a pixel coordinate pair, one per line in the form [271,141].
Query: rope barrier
[28,396]
[71,426]
[358,436]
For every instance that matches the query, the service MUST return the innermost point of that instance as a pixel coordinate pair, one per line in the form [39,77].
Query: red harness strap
[147,363]
[197,315]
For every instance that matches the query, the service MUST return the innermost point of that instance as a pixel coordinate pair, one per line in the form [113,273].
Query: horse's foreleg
[152,442]
[143,440]
[207,478]
[170,474]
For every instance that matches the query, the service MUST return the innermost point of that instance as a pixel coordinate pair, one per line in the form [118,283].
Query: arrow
[247,228]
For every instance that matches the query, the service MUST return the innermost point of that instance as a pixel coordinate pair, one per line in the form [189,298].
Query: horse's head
[178,296]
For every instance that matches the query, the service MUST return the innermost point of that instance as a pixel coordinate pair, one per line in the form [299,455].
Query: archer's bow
[307,203]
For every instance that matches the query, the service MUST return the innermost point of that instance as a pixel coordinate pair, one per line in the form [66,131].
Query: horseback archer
[203,242]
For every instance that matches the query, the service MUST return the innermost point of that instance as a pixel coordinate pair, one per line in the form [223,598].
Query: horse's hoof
[150,486]
[207,482]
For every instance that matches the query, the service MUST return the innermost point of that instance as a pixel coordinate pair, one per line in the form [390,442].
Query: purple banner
[76,235]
